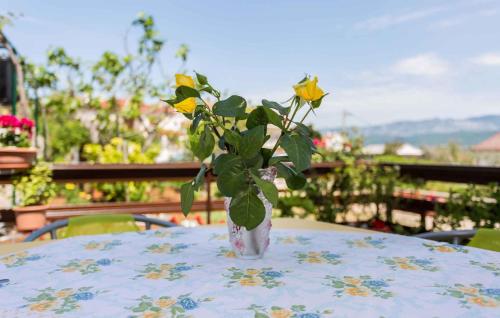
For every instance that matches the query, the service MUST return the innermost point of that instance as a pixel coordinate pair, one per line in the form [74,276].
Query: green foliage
[479,204]
[237,168]
[35,186]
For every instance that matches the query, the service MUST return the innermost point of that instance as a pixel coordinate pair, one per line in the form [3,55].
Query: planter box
[16,158]
[30,218]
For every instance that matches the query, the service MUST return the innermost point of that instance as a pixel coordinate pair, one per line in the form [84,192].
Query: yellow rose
[184,80]
[309,90]
[281,313]
[356,292]
[153,275]
[230,254]
[165,303]
[186,106]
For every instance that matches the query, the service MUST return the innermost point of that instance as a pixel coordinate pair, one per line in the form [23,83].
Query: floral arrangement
[14,131]
[234,136]
[35,187]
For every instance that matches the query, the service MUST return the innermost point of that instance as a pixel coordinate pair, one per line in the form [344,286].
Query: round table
[191,272]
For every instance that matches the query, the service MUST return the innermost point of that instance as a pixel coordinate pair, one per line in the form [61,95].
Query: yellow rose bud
[186,106]
[184,80]
[309,90]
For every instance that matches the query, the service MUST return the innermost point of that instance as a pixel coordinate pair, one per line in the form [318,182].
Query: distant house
[491,144]
[405,150]
[487,152]
[408,150]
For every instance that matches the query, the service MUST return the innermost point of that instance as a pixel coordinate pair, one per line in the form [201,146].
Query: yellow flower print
[255,281]
[184,80]
[444,249]
[63,293]
[230,254]
[314,260]
[152,314]
[166,267]
[353,291]
[309,90]
[69,269]
[186,106]
[42,306]
[252,271]
[289,240]
[153,275]
[281,313]
[407,266]
[92,246]
[165,303]
[353,281]
[468,290]
[314,254]
[361,243]
[482,302]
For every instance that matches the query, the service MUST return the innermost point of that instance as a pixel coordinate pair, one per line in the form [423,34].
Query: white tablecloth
[184,272]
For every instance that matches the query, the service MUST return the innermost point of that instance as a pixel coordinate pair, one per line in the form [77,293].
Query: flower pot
[252,244]
[30,218]
[16,158]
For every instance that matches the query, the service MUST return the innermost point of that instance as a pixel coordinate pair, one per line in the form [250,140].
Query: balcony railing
[83,173]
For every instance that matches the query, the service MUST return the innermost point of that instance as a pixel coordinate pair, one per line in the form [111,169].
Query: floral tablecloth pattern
[181,272]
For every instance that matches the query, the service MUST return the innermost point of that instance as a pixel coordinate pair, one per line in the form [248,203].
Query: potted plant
[34,189]
[15,136]
[236,138]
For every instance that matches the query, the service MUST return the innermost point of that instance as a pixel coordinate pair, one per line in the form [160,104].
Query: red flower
[9,121]
[318,142]
[26,124]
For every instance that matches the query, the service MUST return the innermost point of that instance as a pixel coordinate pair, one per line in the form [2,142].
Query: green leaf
[255,162]
[183,92]
[247,210]
[202,79]
[232,137]
[187,197]
[195,123]
[251,142]
[257,117]
[266,155]
[298,149]
[200,177]
[294,180]
[202,142]
[269,104]
[268,189]
[273,118]
[302,129]
[277,159]
[231,174]
[234,106]
[315,104]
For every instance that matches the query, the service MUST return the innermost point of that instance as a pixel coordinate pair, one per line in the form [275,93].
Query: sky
[381,61]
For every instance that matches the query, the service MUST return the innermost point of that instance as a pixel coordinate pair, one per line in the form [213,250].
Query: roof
[409,150]
[490,144]
[374,149]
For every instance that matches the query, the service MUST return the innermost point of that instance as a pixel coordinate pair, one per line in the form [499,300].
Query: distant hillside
[437,131]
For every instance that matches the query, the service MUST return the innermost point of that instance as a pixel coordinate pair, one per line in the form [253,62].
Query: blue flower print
[188,304]
[33,257]
[83,296]
[375,283]
[309,315]
[423,262]
[273,274]
[491,291]
[104,262]
[181,268]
